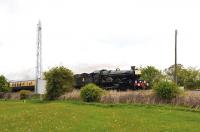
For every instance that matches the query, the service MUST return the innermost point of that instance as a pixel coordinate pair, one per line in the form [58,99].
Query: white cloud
[88,35]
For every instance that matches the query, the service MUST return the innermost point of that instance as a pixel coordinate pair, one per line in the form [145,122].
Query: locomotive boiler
[112,79]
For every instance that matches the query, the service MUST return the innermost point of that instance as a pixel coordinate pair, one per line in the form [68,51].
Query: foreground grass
[77,116]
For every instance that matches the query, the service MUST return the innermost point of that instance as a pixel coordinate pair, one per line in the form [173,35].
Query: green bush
[25,94]
[166,90]
[4,86]
[59,80]
[91,93]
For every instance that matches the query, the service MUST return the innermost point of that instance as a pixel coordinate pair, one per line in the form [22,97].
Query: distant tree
[180,72]
[187,77]
[59,80]
[192,78]
[4,87]
[151,74]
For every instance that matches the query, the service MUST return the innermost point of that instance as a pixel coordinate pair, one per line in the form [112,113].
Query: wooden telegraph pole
[175,65]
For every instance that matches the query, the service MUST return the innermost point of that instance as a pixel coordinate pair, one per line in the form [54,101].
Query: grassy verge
[78,116]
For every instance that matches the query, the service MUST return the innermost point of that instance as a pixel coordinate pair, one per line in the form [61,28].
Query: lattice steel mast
[39,56]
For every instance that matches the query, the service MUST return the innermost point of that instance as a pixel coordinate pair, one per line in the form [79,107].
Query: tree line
[189,78]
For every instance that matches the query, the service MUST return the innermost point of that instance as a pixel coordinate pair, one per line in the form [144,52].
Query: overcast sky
[86,35]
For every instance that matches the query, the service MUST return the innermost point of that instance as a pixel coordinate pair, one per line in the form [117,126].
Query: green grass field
[77,116]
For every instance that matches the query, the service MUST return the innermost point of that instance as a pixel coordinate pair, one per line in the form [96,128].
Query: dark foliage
[4,86]
[59,80]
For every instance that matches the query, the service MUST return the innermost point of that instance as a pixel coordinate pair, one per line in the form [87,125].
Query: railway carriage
[22,85]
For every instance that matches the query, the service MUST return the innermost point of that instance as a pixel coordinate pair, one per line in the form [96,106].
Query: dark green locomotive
[112,79]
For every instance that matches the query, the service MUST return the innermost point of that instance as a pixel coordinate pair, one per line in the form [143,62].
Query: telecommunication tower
[39,56]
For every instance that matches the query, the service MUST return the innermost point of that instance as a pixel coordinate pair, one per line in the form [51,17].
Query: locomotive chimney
[133,68]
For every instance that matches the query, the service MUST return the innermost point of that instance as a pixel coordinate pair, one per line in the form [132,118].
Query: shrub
[25,94]
[166,90]
[59,80]
[91,93]
[4,86]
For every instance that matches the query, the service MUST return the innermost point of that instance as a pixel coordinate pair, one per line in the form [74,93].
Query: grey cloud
[27,74]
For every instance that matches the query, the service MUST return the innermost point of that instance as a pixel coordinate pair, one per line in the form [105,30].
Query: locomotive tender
[112,79]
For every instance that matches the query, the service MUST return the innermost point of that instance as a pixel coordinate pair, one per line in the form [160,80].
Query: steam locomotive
[112,79]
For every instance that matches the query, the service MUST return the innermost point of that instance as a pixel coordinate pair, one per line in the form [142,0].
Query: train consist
[112,79]
[107,79]
[22,85]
